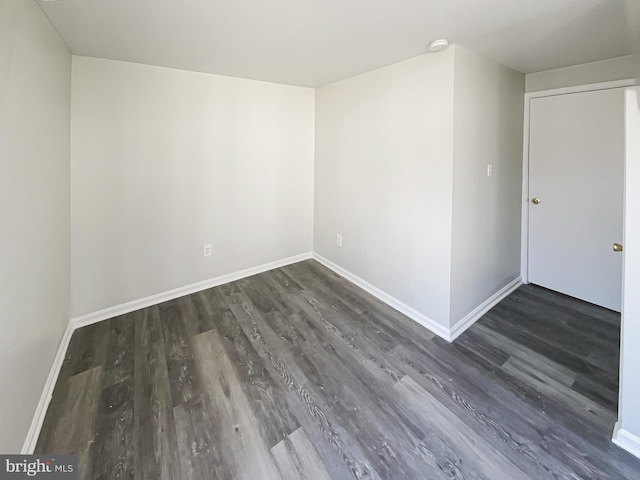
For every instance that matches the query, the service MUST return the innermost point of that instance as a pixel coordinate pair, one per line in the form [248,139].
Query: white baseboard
[449,334]
[473,316]
[43,405]
[134,305]
[413,314]
[626,440]
[77,322]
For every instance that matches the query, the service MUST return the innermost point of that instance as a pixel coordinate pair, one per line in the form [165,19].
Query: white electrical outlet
[207,250]
[339,240]
[489,170]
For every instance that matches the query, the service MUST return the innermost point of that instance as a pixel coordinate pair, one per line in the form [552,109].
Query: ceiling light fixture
[438,45]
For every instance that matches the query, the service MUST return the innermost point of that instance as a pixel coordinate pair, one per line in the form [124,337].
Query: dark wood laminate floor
[298,374]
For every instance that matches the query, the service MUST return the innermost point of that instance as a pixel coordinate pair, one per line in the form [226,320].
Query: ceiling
[315,42]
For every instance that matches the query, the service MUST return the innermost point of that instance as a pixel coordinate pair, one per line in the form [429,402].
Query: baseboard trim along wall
[449,334]
[626,440]
[43,405]
[428,323]
[134,305]
[473,316]
[402,307]
[84,320]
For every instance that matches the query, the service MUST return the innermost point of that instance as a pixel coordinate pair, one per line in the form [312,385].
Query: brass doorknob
[617,247]
[535,201]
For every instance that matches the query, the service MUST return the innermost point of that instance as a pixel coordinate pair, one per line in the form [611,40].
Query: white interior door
[576,171]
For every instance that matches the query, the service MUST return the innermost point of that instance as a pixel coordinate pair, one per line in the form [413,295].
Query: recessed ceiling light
[438,45]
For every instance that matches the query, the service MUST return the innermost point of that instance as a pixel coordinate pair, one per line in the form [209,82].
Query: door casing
[524,262]
[524,252]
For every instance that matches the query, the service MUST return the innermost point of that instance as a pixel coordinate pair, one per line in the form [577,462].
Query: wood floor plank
[297,459]
[603,394]
[195,315]
[387,440]
[119,350]
[259,288]
[198,433]
[333,288]
[184,379]
[584,408]
[112,450]
[254,324]
[298,373]
[549,346]
[213,300]
[338,323]
[473,342]
[339,342]
[281,281]
[84,351]
[573,332]
[524,355]
[154,423]
[341,456]
[240,443]
[76,423]
[558,302]
[448,432]
[253,299]
[273,417]
[111,453]
[327,326]
[359,403]
[339,452]
[490,407]
[147,326]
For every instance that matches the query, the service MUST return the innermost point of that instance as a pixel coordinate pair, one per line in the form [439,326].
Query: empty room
[320,239]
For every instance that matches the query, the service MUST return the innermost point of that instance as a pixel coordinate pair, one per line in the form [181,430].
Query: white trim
[413,314]
[590,87]
[43,405]
[524,232]
[449,334]
[524,249]
[621,437]
[626,440]
[473,316]
[77,322]
[182,291]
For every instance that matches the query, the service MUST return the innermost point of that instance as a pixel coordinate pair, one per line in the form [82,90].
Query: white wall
[401,158]
[629,407]
[621,68]
[165,161]
[35,75]
[383,179]
[488,123]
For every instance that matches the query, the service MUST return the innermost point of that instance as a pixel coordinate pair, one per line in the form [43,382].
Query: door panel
[576,170]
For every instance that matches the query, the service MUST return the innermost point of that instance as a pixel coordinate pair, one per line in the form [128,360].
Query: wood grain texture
[154,423]
[240,441]
[75,425]
[298,374]
[297,459]
[183,377]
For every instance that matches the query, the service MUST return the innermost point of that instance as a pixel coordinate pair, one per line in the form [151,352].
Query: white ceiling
[315,42]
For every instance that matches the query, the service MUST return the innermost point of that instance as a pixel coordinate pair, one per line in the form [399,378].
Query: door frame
[626,440]
[630,331]
[524,243]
